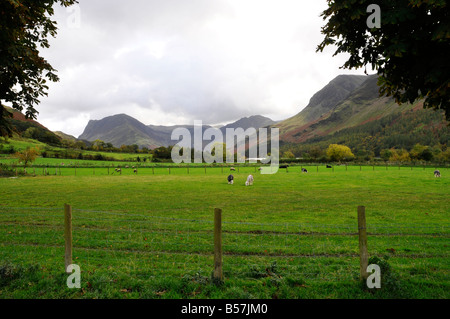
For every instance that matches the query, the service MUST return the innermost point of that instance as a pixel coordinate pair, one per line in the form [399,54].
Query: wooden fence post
[68,234]
[363,254]
[218,274]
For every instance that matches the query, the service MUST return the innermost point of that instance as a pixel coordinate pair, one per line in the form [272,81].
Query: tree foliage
[339,152]
[28,156]
[410,50]
[25,26]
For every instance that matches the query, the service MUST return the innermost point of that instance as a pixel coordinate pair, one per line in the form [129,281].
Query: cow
[230,179]
[329,166]
[232,169]
[249,180]
[284,166]
[437,173]
[304,170]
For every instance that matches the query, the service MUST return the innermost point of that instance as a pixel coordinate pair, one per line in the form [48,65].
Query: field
[289,236]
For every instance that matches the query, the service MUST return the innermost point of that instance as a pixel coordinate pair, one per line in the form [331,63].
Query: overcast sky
[169,62]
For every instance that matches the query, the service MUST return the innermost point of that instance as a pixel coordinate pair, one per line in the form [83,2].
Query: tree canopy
[25,26]
[409,50]
[339,152]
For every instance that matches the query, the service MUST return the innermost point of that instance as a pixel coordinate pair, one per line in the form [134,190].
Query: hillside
[367,123]
[360,106]
[65,136]
[32,129]
[322,102]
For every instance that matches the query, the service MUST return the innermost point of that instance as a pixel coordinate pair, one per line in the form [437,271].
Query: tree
[338,153]
[28,156]
[385,155]
[98,145]
[288,154]
[421,152]
[401,155]
[24,27]
[315,152]
[409,50]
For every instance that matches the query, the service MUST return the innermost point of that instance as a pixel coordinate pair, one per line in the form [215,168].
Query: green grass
[21,144]
[290,235]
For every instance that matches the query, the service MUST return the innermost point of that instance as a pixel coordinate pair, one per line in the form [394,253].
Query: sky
[173,62]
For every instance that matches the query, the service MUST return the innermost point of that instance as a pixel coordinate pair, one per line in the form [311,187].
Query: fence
[145,246]
[71,170]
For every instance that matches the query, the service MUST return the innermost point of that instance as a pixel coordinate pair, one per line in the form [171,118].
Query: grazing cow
[249,180]
[232,169]
[329,166]
[304,170]
[230,179]
[437,173]
[284,166]
[135,171]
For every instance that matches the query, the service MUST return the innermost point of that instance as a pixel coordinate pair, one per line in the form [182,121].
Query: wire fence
[143,245]
[93,169]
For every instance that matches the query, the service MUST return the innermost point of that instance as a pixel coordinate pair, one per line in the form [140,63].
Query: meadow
[290,235]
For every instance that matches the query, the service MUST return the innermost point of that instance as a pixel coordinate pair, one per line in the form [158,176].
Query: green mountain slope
[368,123]
[321,103]
[120,130]
[361,106]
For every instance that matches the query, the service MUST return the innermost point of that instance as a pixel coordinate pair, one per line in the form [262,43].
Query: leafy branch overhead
[25,26]
[410,51]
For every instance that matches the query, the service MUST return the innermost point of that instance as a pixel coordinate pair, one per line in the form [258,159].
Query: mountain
[355,115]
[122,129]
[346,102]
[256,121]
[322,102]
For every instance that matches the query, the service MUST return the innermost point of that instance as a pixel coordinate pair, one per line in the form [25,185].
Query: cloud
[173,61]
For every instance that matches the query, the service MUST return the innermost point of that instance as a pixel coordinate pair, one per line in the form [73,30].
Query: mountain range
[348,101]
[348,110]
[122,129]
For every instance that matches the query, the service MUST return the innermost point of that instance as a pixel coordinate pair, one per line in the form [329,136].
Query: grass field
[290,235]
